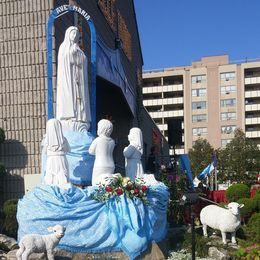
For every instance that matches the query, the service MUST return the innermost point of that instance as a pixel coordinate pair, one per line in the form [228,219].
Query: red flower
[119,191]
[144,188]
[109,188]
[136,191]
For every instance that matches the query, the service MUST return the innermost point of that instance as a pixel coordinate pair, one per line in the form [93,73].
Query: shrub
[251,252]
[249,207]
[2,135]
[201,244]
[257,201]
[253,228]
[237,191]
[2,170]
[10,222]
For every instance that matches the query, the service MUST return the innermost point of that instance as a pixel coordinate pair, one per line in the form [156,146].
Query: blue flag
[206,172]
[185,167]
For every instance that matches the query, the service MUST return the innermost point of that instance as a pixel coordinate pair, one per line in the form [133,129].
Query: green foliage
[240,160]
[200,155]
[2,169]
[237,191]
[201,246]
[176,185]
[119,186]
[10,222]
[2,135]
[257,201]
[249,207]
[248,253]
[253,228]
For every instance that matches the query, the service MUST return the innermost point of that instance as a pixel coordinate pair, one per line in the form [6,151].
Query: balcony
[165,101]
[253,80]
[166,114]
[252,94]
[177,151]
[253,107]
[160,89]
[253,134]
[162,127]
[253,121]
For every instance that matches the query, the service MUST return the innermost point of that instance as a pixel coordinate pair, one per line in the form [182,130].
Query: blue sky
[177,32]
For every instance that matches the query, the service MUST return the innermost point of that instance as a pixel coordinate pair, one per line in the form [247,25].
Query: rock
[153,252]
[100,256]
[11,255]
[218,254]
[2,255]
[7,243]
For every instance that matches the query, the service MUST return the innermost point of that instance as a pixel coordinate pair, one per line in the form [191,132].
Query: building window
[199,118]
[227,89]
[198,79]
[228,129]
[199,105]
[228,102]
[199,131]
[200,92]
[227,76]
[224,142]
[228,116]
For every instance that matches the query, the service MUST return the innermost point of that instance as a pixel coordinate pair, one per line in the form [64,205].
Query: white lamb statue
[34,243]
[225,220]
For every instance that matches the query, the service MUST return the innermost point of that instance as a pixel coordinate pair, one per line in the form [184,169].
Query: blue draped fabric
[109,67]
[80,161]
[92,226]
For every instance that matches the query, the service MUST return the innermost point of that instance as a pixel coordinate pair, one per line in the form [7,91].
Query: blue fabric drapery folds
[92,226]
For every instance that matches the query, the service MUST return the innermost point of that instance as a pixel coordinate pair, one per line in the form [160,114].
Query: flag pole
[216,178]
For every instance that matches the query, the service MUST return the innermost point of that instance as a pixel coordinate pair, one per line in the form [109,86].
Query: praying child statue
[133,153]
[102,147]
[57,168]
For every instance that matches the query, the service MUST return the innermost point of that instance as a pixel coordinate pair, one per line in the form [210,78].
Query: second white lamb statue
[35,243]
[225,220]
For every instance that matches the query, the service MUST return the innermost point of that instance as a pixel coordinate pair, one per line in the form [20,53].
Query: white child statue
[57,168]
[73,105]
[102,147]
[133,153]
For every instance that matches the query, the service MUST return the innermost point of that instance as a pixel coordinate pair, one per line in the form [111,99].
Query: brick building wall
[23,112]
[22,88]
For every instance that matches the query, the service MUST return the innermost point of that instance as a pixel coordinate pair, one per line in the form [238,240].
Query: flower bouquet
[118,186]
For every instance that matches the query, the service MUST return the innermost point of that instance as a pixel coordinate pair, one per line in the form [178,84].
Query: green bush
[251,252]
[257,201]
[2,169]
[253,228]
[10,222]
[201,244]
[249,207]
[237,191]
[2,135]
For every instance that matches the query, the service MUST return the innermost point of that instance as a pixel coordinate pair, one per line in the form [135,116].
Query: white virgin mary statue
[72,80]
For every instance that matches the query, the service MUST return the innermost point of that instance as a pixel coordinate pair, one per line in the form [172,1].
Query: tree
[240,160]
[200,155]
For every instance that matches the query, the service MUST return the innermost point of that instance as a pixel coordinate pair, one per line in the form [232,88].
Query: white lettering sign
[64,8]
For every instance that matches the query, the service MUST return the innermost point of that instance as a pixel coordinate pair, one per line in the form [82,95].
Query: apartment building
[212,97]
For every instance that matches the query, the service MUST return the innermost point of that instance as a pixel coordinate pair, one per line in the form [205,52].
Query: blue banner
[184,162]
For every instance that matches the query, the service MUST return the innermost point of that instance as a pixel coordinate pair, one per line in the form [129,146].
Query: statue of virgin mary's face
[74,36]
